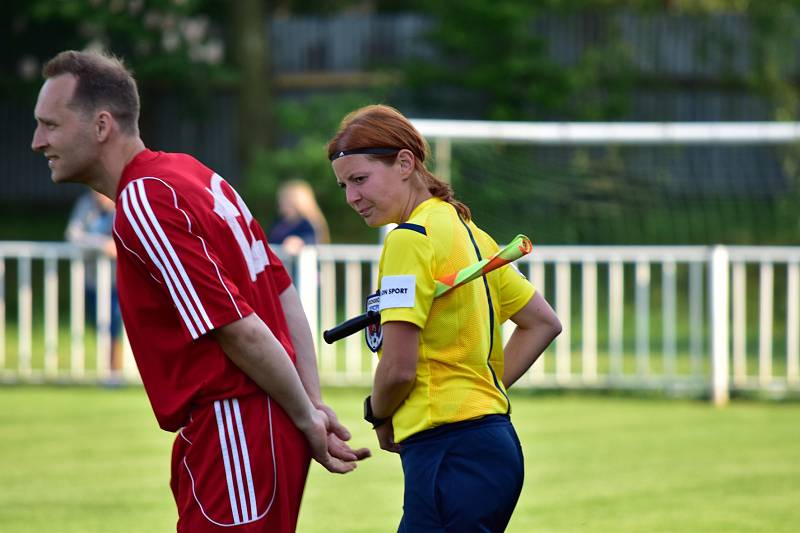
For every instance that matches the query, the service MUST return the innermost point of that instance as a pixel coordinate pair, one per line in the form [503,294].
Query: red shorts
[239,465]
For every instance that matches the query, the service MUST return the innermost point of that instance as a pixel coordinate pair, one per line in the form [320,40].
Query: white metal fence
[44,334]
[661,317]
[685,319]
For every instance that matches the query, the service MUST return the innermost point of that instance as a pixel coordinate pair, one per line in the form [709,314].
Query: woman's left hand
[385,433]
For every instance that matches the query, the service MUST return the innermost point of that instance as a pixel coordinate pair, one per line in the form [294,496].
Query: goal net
[625,183]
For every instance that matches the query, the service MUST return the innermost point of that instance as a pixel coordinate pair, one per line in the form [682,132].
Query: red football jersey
[191,259]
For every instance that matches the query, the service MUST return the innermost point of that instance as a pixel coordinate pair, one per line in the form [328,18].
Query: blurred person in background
[90,226]
[300,222]
[217,329]
[300,219]
[439,393]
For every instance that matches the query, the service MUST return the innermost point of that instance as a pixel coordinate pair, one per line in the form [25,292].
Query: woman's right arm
[397,369]
[537,326]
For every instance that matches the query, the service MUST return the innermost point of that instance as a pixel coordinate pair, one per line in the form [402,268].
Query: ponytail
[443,190]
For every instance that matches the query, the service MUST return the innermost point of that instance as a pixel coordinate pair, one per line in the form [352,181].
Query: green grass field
[93,460]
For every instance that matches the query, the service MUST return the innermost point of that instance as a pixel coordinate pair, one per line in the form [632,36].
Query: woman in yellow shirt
[439,393]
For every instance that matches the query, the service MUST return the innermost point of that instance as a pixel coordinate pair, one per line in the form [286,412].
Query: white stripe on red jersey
[159,234]
[131,209]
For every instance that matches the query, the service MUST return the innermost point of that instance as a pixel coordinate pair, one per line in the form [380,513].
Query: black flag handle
[348,327]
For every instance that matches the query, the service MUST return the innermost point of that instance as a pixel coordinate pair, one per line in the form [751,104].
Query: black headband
[371,151]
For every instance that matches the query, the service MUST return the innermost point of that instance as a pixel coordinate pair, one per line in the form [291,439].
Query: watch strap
[370,417]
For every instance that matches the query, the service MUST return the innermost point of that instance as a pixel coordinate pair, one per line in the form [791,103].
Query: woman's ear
[405,160]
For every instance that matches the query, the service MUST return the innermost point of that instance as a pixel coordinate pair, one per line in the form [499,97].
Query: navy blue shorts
[462,477]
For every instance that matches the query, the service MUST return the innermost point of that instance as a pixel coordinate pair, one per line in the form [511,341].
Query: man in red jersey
[220,338]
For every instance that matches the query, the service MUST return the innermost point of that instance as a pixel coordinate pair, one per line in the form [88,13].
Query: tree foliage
[487,61]
[167,42]
[313,122]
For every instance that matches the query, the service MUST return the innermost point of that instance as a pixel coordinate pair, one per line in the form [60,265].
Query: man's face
[63,134]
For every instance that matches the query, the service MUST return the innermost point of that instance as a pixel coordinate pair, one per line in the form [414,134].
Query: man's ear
[102,126]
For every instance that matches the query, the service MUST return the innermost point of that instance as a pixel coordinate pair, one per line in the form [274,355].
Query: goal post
[593,133]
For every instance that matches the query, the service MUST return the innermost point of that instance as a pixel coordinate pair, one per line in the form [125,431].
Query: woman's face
[379,193]
[286,206]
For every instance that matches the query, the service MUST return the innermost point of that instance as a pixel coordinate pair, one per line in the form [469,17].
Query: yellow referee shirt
[460,367]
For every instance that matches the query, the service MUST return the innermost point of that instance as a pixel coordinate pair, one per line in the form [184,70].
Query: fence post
[718,285]
[25,315]
[442,155]
[77,314]
[102,318]
[2,311]
[307,284]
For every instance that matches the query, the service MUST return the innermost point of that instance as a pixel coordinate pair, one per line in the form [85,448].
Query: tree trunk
[250,43]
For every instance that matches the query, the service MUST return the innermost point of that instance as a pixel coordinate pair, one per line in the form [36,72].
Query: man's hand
[385,433]
[334,425]
[317,431]
[341,450]
[338,434]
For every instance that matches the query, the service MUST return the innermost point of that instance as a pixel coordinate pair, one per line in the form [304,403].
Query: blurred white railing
[643,317]
[44,337]
[639,317]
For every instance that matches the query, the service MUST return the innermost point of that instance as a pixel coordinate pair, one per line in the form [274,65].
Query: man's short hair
[103,81]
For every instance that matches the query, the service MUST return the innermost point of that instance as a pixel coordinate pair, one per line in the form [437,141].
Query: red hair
[381,126]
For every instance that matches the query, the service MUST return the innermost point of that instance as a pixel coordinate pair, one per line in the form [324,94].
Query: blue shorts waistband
[446,430]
